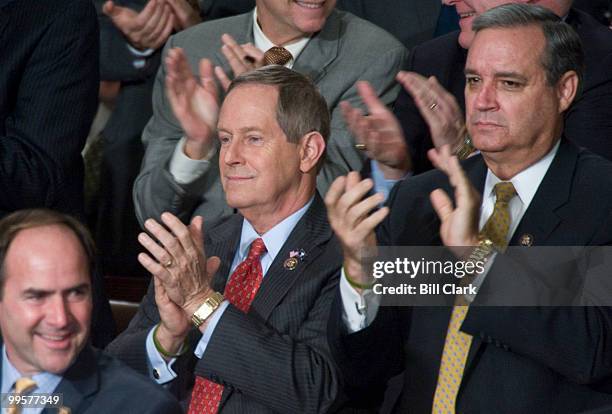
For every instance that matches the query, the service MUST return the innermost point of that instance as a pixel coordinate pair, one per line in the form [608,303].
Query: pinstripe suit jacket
[48,97]
[274,358]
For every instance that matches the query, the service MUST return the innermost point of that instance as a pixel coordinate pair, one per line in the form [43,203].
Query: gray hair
[301,108]
[563,49]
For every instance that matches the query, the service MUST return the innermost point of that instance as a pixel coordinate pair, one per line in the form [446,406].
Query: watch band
[466,148]
[206,309]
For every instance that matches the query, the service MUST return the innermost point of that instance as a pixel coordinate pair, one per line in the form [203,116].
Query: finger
[181,232]
[212,265]
[153,267]
[417,86]
[150,27]
[370,98]
[167,239]
[207,77]
[368,225]
[155,250]
[167,30]
[359,211]
[235,60]
[109,8]
[147,13]
[441,203]
[447,102]
[354,194]
[253,52]
[352,117]
[160,27]
[224,80]
[335,191]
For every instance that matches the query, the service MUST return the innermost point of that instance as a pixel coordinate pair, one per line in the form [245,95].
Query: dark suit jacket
[48,97]
[588,122]
[275,358]
[522,360]
[97,383]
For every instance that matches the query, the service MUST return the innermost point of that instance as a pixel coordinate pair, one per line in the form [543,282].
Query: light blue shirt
[274,239]
[46,382]
[382,184]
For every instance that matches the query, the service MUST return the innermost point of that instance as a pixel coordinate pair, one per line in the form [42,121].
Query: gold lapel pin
[526,240]
[291,263]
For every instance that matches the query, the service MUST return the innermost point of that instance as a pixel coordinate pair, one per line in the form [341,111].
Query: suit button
[155,373]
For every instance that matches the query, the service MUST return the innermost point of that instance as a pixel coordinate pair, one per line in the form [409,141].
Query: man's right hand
[174,324]
[349,216]
[195,105]
[148,29]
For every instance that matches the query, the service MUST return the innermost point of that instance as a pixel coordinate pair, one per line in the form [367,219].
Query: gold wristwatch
[466,148]
[206,309]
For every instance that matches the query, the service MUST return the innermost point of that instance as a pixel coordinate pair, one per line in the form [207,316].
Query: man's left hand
[459,223]
[179,260]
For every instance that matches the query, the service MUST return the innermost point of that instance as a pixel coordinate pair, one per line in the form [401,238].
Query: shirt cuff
[381,184]
[186,170]
[140,53]
[160,370]
[214,320]
[358,311]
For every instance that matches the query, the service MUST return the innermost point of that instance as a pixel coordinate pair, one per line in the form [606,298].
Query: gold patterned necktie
[22,386]
[277,55]
[457,344]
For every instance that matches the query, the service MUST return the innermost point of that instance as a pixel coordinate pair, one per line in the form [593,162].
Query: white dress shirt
[360,310]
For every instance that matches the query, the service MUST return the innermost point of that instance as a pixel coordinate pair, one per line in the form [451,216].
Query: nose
[231,152]
[58,313]
[450,2]
[486,97]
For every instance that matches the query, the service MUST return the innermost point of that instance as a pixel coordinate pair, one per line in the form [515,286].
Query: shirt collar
[10,375]
[527,181]
[263,43]
[275,238]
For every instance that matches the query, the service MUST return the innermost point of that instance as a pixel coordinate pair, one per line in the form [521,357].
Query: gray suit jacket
[275,358]
[346,50]
[96,383]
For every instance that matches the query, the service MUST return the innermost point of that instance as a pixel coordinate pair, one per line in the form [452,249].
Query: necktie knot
[504,192]
[277,55]
[24,385]
[257,249]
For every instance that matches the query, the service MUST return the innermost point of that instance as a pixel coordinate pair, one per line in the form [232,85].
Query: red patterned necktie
[240,291]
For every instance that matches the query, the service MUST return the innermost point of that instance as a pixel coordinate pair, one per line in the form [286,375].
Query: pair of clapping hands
[151,27]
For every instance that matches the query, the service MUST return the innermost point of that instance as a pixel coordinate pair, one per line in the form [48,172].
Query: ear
[567,88]
[312,148]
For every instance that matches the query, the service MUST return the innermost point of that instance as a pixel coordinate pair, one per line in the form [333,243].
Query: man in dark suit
[260,346]
[587,122]
[534,190]
[48,95]
[45,312]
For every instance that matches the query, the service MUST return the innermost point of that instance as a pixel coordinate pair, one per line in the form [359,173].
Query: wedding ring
[168,263]
[433,106]
[361,147]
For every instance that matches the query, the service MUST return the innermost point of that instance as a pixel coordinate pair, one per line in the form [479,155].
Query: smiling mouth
[310,5]
[56,341]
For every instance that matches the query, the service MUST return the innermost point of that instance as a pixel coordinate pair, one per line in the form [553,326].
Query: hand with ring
[438,107]
[178,260]
[379,134]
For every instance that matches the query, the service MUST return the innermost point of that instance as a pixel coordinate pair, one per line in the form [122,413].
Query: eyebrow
[510,74]
[43,292]
[243,130]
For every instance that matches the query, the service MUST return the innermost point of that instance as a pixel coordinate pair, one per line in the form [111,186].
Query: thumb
[195,228]
[109,8]
[212,265]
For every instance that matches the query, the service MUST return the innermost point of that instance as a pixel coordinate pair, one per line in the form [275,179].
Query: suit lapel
[310,232]
[80,381]
[321,50]
[544,212]
[4,20]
